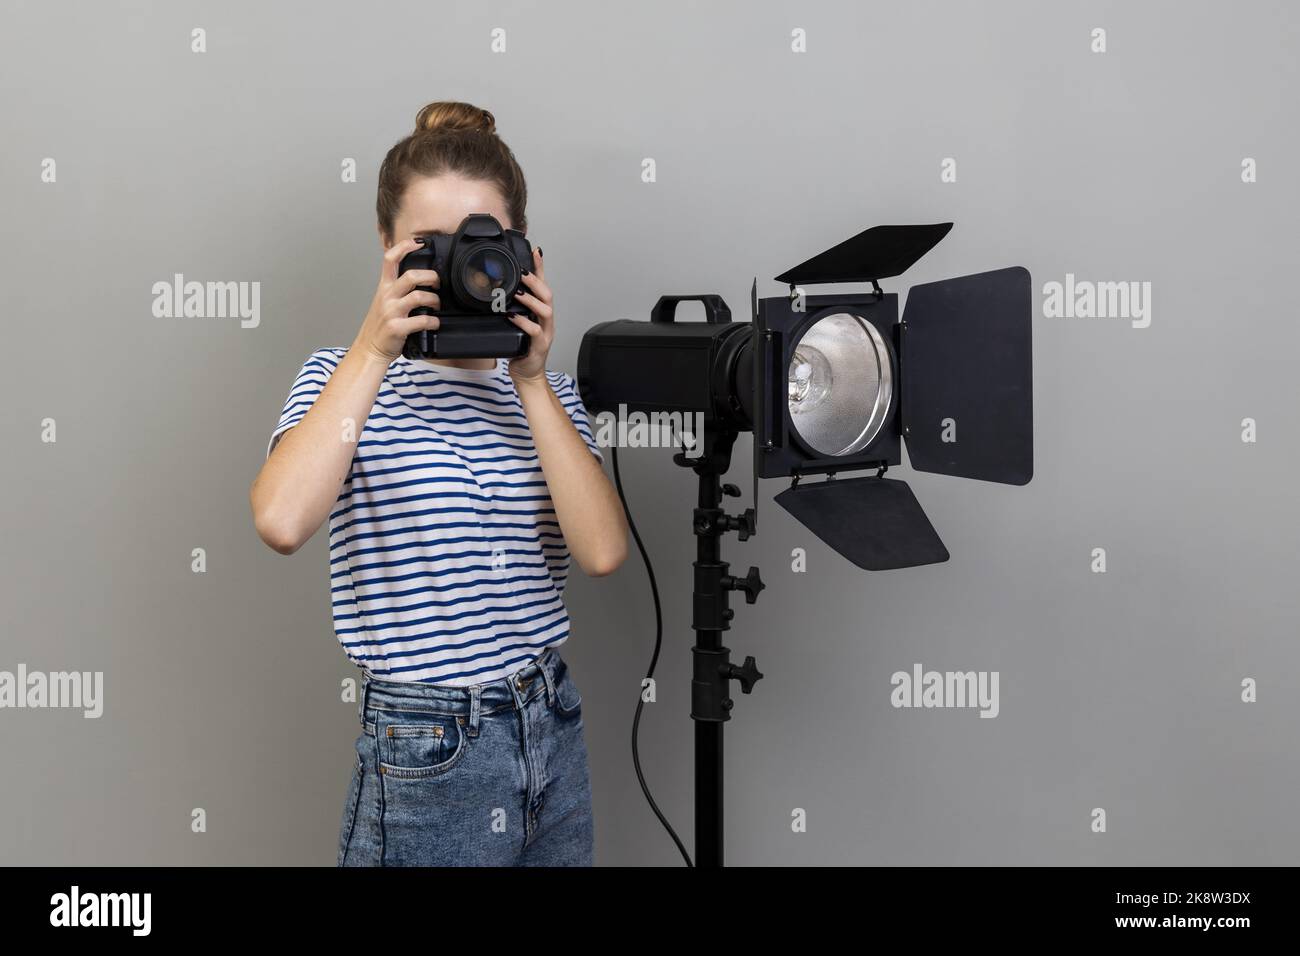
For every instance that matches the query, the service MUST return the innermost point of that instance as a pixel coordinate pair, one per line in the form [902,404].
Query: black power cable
[654,659]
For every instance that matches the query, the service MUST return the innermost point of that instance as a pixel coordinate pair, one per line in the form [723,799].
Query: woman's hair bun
[451,115]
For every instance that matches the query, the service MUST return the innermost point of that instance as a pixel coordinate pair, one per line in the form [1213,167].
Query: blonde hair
[451,137]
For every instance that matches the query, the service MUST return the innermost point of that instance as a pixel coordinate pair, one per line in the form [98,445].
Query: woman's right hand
[389,322]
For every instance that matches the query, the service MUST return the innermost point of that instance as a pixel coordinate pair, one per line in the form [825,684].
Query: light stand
[713,671]
[827,384]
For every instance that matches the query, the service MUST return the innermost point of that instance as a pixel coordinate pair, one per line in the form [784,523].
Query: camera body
[480,269]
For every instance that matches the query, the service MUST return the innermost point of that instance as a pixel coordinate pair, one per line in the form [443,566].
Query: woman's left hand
[537,299]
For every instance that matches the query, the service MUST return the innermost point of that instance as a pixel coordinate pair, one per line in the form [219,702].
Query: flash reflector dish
[840,385]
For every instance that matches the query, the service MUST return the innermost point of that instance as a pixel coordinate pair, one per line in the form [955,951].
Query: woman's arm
[298,483]
[586,505]
[300,480]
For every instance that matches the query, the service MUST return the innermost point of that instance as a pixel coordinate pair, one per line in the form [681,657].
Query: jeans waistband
[471,702]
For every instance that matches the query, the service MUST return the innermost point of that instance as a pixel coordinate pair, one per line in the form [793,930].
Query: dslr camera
[480,269]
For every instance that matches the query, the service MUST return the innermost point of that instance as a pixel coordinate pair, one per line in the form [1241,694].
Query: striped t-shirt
[446,561]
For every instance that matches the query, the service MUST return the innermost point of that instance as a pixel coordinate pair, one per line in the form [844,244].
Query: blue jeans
[490,775]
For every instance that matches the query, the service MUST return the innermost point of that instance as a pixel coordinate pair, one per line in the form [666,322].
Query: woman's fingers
[543,310]
[528,325]
[544,314]
[403,305]
[415,323]
[414,277]
[394,255]
[537,285]
[536,297]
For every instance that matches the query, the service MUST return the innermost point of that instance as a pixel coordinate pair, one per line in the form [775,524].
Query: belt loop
[361,697]
[475,702]
[544,664]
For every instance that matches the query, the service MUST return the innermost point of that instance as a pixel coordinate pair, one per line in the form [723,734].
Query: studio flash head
[839,383]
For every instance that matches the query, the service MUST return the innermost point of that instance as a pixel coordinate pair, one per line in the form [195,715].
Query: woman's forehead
[435,204]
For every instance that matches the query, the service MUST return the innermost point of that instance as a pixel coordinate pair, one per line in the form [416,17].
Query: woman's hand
[540,333]
[389,322]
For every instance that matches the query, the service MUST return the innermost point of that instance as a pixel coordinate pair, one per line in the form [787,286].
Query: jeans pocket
[350,811]
[415,745]
[568,702]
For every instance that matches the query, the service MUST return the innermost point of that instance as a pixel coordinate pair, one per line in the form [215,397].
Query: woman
[452,516]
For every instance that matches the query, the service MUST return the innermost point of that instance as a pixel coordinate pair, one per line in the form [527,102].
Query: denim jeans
[490,775]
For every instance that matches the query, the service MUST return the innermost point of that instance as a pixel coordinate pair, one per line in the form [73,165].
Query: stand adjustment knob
[731,490]
[747,674]
[751,584]
[746,524]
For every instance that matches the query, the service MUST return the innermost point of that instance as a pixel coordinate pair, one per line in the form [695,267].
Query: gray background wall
[1118,690]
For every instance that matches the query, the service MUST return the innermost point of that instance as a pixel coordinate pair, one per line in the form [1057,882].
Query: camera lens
[485,270]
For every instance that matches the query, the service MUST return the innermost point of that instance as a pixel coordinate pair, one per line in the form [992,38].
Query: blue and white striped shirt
[447,564]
